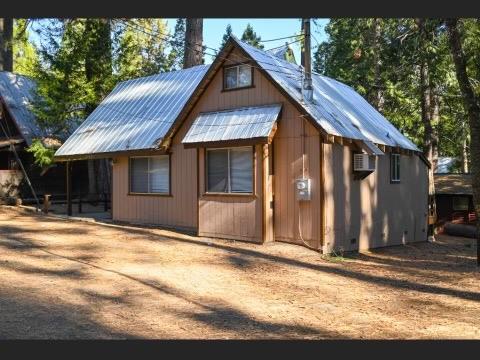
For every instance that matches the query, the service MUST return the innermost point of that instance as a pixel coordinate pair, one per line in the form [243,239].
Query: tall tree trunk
[98,71]
[378,98]
[465,166]
[427,104]
[193,54]
[472,108]
[434,120]
[6,44]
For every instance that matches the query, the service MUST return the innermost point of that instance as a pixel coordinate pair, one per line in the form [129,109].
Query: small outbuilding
[239,150]
[18,128]
[454,199]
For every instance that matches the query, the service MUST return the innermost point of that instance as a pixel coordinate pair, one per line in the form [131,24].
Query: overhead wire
[140,28]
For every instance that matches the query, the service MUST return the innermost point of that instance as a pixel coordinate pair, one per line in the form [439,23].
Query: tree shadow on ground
[251,255]
[70,273]
[25,317]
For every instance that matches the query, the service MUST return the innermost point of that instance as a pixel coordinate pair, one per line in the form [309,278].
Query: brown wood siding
[232,216]
[178,210]
[373,211]
[288,149]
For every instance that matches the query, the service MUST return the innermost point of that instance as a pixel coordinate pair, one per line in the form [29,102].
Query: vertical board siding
[373,211]
[178,210]
[231,216]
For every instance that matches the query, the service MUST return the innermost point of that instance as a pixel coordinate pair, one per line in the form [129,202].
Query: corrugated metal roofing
[453,184]
[283,52]
[236,124]
[135,115]
[17,92]
[337,108]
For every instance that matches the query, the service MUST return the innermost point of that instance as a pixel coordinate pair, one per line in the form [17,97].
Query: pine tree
[226,36]
[471,101]
[25,55]
[250,37]
[142,49]
[177,46]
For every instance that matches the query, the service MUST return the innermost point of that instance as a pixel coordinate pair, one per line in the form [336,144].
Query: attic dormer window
[237,77]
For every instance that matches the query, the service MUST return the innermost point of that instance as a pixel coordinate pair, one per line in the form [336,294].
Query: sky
[214,29]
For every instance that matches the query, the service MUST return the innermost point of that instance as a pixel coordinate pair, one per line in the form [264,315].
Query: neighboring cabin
[222,150]
[18,129]
[454,198]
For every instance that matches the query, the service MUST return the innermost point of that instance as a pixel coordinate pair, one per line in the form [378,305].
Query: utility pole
[307,58]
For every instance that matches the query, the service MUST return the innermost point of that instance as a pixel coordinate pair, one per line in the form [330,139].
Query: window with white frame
[238,76]
[230,170]
[395,168]
[150,174]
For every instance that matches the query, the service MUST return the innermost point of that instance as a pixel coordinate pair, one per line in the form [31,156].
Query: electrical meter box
[302,187]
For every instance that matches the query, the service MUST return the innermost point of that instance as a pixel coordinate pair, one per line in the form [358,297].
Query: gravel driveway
[69,280]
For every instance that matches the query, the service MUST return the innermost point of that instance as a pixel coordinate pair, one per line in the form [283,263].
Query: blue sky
[213,30]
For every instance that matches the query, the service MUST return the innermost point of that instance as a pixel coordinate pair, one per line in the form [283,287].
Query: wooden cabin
[18,128]
[454,199]
[238,150]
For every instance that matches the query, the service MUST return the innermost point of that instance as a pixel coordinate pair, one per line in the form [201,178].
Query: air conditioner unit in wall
[363,162]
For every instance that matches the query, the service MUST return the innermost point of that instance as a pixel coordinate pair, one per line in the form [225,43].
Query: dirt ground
[70,280]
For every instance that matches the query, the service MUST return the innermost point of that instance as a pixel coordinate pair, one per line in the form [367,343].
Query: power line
[286,44]
[282,38]
[142,29]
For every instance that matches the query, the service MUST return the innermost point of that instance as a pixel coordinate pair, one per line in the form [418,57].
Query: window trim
[224,82]
[240,194]
[392,180]
[131,193]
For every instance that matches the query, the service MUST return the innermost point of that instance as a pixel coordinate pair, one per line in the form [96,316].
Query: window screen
[217,163]
[238,76]
[150,174]
[241,170]
[230,170]
[460,203]
[231,77]
[395,167]
[244,76]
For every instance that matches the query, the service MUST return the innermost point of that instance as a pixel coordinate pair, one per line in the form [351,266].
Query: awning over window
[242,125]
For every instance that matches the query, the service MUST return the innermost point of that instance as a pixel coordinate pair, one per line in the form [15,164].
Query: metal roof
[444,164]
[17,92]
[135,115]
[283,52]
[453,184]
[235,124]
[336,107]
